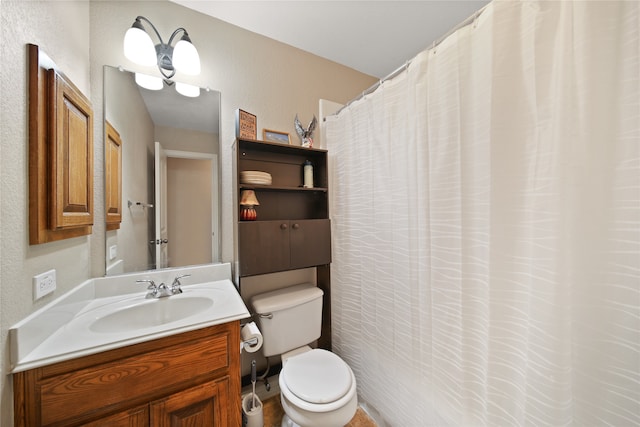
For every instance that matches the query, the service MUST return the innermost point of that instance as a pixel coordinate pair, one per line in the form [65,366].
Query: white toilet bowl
[317,388]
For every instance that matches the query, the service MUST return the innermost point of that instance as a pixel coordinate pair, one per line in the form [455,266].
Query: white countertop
[61,330]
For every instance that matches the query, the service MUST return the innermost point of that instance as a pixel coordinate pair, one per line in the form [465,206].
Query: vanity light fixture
[139,48]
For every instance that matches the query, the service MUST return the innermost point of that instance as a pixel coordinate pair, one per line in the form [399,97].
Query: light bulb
[186,58]
[149,82]
[138,46]
[188,90]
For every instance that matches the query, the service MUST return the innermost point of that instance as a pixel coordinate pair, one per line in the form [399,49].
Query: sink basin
[104,314]
[151,313]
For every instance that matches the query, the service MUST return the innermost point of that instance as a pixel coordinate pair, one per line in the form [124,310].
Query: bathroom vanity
[190,378]
[109,354]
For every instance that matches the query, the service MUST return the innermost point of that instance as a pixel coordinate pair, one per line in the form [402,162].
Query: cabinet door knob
[296,226]
[283,226]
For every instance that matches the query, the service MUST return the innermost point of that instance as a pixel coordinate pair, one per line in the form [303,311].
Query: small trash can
[252,411]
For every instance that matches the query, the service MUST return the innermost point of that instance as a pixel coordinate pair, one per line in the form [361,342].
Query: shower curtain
[485,208]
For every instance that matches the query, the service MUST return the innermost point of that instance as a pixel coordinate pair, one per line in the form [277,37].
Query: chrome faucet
[162,290]
[156,291]
[176,285]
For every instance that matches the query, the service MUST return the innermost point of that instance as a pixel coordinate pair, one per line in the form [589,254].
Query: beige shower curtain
[485,208]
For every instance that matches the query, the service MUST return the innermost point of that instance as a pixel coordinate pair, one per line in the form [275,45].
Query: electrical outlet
[113,252]
[43,284]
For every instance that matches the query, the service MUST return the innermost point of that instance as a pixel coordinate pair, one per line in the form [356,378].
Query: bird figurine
[305,134]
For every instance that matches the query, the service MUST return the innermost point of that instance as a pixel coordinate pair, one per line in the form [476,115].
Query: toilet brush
[253,384]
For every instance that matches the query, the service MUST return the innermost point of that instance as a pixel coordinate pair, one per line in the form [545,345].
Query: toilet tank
[288,318]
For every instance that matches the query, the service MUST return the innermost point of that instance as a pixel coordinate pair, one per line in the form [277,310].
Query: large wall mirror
[170,175]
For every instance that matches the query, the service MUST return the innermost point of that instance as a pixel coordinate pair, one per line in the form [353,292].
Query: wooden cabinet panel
[71,127]
[113,174]
[204,405]
[310,242]
[265,247]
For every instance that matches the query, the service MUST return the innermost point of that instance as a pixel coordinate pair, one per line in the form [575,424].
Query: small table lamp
[248,200]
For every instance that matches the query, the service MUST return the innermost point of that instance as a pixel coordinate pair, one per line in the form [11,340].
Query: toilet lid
[317,376]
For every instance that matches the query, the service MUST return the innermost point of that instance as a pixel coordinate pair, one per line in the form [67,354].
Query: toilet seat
[317,381]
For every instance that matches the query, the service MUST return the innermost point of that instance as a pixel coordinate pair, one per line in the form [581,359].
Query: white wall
[38,23]
[267,78]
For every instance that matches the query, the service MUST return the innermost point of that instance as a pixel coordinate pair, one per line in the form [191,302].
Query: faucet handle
[175,286]
[152,288]
[152,285]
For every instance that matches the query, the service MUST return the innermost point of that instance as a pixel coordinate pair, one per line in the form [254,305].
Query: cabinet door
[113,177]
[202,406]
[310,242]
[71,132]
[264,247]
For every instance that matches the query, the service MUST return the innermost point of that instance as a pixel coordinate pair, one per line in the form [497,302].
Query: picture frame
[271,135]
[246,125]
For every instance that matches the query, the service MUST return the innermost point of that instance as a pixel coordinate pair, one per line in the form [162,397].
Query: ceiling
[373,37]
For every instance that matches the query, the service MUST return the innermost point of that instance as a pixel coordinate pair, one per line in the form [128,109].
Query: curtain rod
[403,67]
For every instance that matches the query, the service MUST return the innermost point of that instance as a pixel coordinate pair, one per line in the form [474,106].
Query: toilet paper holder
[250,338]
[249,342]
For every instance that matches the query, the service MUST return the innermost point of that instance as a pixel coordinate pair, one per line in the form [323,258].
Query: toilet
[317,388]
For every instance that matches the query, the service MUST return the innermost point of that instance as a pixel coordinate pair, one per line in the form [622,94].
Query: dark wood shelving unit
[292,229]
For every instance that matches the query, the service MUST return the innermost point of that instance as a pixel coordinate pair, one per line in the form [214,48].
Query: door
[202,406]
[189,210]
[310,242]
[264,246]
[162,240]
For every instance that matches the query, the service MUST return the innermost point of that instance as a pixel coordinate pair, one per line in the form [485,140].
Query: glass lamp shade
[188,90]
[248,198]
[186,58]
[149,82]
[138,46]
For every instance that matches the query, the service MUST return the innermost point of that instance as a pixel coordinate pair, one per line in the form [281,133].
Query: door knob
[283,226]
[296,226]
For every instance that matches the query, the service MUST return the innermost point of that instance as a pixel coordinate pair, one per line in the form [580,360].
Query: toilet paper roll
[249,333]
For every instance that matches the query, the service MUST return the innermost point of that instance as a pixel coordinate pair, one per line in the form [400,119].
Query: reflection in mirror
[170,193]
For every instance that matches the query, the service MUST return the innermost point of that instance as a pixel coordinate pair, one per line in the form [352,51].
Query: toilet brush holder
[252,411]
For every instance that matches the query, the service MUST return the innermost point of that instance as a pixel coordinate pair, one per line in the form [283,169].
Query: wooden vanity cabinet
[190,379]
